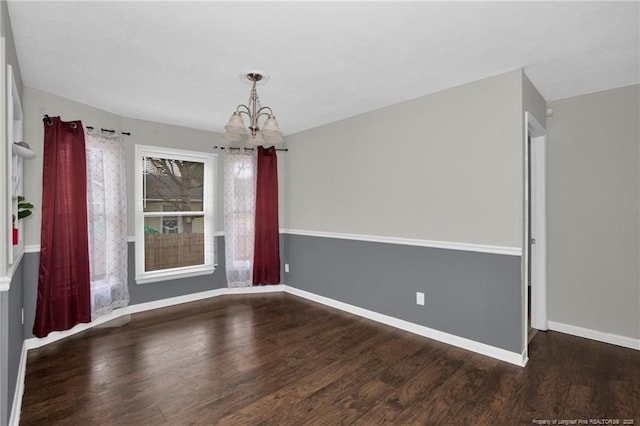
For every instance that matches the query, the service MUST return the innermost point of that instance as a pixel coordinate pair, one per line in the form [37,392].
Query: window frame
[208,194]
[162,219]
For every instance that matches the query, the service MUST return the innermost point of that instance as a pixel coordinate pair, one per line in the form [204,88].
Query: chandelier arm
[248,110]
[263,113]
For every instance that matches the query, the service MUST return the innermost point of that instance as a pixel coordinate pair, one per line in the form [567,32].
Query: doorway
[534,247]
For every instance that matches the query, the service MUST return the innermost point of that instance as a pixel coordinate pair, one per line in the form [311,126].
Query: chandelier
[235,130]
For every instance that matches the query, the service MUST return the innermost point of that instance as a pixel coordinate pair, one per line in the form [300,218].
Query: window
[174,213]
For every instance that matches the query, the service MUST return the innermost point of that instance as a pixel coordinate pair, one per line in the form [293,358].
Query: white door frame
[538,135]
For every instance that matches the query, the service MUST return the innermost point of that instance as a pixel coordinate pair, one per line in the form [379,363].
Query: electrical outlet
[286,267]
[420,298]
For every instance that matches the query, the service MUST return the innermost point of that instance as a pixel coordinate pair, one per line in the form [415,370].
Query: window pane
[172,185]
[173,242]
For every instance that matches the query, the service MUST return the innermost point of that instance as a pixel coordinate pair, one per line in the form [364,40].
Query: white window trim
[209,160]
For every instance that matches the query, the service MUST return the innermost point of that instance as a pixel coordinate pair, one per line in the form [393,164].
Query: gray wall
[15,332]
[5,399]
[472,295]
[593,186]
[36,104]
[138,293]
[443,167]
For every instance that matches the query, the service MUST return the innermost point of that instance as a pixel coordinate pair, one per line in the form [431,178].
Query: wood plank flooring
[278,359]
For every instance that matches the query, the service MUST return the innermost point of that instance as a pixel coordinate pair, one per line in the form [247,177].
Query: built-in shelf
[16,155]
[23,152]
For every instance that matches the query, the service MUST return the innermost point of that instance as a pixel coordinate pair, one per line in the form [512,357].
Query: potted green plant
[24,211]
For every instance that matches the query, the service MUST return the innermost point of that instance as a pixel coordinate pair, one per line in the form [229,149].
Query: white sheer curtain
[107,216]
[239,216]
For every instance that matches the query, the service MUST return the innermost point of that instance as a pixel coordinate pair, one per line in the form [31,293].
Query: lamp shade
[232,137]
[273,139]
[271,125]
[271,131]
[235,126]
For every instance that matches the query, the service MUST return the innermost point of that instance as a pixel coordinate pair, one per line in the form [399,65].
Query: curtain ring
[73,125]
[47,120]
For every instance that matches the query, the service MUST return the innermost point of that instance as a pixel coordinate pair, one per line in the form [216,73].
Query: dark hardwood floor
[279,359]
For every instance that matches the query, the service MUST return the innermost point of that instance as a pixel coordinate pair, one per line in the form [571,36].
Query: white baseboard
[481,348]
[461,342]
[257,289]
[614,339]
[35,342]
[16,407]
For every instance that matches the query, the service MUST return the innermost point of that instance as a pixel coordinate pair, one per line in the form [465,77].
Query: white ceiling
[178,62]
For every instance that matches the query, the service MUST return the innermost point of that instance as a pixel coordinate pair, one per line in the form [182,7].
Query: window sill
[174,274]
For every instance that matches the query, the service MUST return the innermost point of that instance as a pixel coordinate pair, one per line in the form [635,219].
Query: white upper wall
[7,57]
[593,214]
[443,167]
[533,102]
[11,57]
[37,103]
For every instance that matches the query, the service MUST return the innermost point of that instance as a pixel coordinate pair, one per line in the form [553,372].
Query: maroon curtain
[63,280]
[266,257]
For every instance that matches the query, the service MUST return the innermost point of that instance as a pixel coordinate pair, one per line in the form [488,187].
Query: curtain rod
[46,119]
[246,149]
[109,130]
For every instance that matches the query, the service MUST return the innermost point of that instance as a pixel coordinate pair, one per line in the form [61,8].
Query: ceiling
[179,62]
